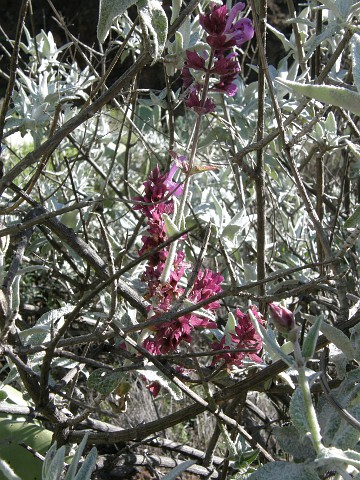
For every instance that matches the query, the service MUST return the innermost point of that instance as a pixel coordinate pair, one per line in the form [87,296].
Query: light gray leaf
[330,95]
[88,466]
[108,11]
[298,412]
[284,471]
[300,448]
[356,60]
[154,24]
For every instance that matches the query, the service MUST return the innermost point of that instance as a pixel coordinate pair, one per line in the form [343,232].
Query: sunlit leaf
[330,95]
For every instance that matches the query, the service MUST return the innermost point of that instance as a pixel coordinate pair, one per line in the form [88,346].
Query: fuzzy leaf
[309,345]
[154,24]
[272,347]
[284,471]
[48,460]
[330,95]
[356,60]
[57,465]
[88,466]
[297,412]
[70,475]
[7,471]
[171,228]
[108,11]
[335,336]
[300,448]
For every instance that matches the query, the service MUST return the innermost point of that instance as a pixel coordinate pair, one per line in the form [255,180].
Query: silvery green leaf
[330,124]
[286,43]
[284,471]
[70,475]
[354,219]
[7,471]
[268,337]
[175,472]
[154,24]
[175,10]
[230,324]
[309,344]
[316,40]
[356,60]
[108,11]
[330,95]
[171,228]
[47,323]
[48,460]
[335,429]
[104,381]
[354,148]
[57,465]
[297,412]
[300,448]
[88,466]
[335,336]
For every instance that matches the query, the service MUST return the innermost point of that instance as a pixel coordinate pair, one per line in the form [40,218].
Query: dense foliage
[179,267]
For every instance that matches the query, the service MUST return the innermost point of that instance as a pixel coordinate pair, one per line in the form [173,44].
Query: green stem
[310,413]
[194,138]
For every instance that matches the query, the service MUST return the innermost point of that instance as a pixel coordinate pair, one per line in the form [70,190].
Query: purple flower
[245,337]
[224,32]
[194,60]
[173,187]
[282,317]
[206,285]
[193,101]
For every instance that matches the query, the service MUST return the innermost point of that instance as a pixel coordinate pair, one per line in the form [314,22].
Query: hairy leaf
[356,60]
[284,471]
[108,11]
[154,24]
[338,96]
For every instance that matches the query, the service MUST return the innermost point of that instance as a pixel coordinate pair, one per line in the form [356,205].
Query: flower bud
[283,318]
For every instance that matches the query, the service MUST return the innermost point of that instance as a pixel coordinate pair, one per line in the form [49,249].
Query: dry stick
[13,68]
[299,47]
[260,21]
[340,284]
[144,430]
[320,205]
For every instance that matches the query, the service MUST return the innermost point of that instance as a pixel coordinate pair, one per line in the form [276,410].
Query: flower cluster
[221,67]
[156,201]
[244,338]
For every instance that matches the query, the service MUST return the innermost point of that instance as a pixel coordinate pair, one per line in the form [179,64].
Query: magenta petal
[232,15]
